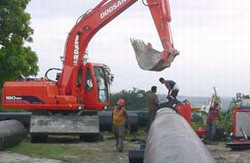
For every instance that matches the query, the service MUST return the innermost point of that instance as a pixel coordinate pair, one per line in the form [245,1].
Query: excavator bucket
[147,57]
[150,59]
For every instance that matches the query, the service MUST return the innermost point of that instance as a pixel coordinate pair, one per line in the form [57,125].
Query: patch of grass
[12,110]
[72,152]
[107,134]
[222,143]
[140,133]
[52,151]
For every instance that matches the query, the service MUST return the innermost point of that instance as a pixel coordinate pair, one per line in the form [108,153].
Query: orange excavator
[69,104]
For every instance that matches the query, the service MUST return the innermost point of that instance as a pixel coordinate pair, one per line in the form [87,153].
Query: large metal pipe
[171,139]
[106,122]
[12,132]
[23,117]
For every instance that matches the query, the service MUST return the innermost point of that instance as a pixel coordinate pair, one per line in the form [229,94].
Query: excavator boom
[147,57]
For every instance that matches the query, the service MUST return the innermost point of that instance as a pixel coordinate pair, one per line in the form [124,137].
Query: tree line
[135,99]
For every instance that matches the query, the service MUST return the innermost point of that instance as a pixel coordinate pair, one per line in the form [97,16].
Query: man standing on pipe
[119,118]
[173,90]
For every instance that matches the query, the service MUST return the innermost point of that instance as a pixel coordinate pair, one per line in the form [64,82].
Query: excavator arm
[147,57]
[93,20]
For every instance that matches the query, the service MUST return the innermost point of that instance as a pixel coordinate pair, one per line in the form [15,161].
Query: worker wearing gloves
[173,90]
[119,119]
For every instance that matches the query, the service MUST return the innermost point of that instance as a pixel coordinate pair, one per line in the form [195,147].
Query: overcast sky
[213,37]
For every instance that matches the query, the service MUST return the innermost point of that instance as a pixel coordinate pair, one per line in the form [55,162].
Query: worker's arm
[218,113]
[127,120]
[112,116]
[156,101]
[168,87]
[169,94]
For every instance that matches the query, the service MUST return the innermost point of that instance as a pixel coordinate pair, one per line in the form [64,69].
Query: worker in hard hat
[119,119]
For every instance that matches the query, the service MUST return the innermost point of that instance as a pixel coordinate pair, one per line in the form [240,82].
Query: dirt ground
[91,152]
[223,154]
[8,157]
[105,152]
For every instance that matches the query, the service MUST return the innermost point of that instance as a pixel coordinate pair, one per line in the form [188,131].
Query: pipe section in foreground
[12,132]
[172,140]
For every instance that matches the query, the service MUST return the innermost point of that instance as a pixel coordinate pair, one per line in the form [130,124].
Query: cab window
[101,83]
[89,81]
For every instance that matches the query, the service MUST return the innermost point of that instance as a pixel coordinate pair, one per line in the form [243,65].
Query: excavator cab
[96,81]
[93,82]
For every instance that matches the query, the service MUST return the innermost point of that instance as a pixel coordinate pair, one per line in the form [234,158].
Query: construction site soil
[105,152]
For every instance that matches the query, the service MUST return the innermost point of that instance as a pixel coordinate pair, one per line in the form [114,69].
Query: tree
[16,60]
[135,99]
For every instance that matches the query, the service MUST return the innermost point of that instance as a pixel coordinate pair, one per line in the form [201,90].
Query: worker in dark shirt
[213,116]
[173,89]
[153,105]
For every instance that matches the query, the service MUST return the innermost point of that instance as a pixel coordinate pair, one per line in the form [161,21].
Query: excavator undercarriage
[82,123]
